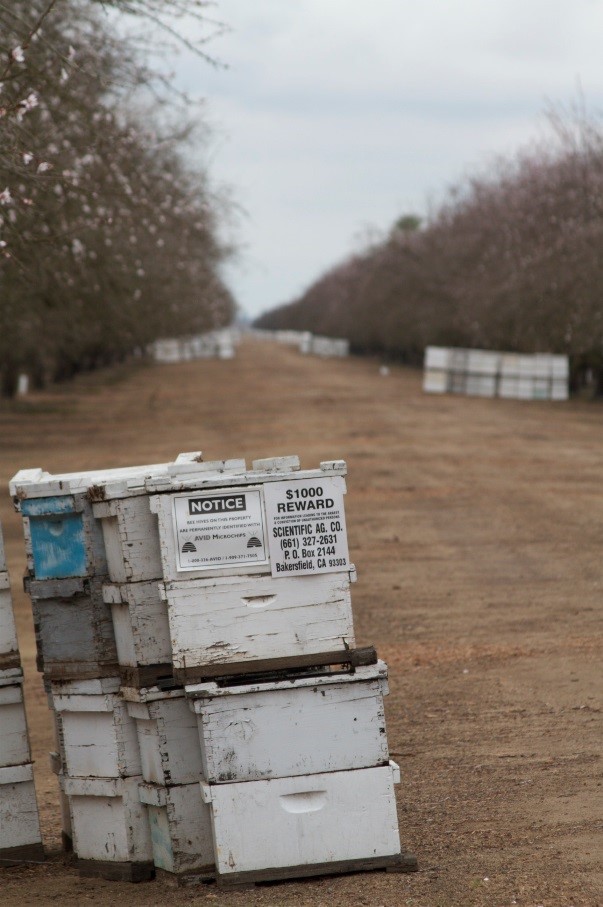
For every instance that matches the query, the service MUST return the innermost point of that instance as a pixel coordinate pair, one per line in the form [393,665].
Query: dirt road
[477,530]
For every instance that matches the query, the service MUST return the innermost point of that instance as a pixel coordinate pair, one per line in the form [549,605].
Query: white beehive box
[9,646]
[14,739]
[294,727]
[317,823]
[508,387]
[437,358]
[457,382]
[111,835]
[20,838]
[131,541]
[2,554]
[74,630]
[99,736]
[329,346]
[168,740]
[480,385]
[511,365]
[482,362]
[541,366]
[238,538]
[435,382]
[223,622]
[541,388]
[130,528]
[180,827]
[142,632]
[459,360]
[559,389]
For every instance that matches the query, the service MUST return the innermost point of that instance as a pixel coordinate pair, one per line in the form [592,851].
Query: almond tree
[108,239]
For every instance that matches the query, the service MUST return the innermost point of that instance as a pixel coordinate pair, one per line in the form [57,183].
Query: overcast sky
[335,117]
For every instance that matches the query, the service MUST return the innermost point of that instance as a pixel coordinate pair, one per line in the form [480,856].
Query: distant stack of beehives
[485,373]
[307,343]
[215,719]
[213,344]
[20,838]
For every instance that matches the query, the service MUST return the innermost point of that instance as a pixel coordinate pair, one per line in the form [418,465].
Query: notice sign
[306,526]
[219,529]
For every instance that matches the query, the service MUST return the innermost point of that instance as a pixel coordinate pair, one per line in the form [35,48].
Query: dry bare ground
[477,530]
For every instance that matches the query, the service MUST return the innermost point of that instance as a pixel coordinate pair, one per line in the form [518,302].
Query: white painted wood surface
[108,820]
[435,382]
[273,469]
[234,619]
[9,645]
[10,676]
[168,739]
[93,686]
[140,623]
[304,820]
[300,727]
[14,739]
[19,822]
[2,554]
[37,483]
[131,539]
[180,826]
[99,736]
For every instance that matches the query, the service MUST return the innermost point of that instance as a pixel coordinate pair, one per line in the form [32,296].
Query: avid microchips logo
[219,504]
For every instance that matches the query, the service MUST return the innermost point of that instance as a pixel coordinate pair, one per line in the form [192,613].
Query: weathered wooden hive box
[168,740]
[129,528]
[256,568]
[62,538]
[179,820]
[254,731]
[14,739]
[74,629]
[111,835]
[20,837]
[289,827]
[231,624]
[98,735]
[180,828]
[142,631]
[10,661]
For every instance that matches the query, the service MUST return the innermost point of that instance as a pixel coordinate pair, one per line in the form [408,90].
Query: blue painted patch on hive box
[57,537]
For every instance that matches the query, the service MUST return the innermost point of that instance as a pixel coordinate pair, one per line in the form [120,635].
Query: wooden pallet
[92,670]
[10,661]
[402,862]
[115,872]
[144,676]
[354,658]
[27,853]
[189,879]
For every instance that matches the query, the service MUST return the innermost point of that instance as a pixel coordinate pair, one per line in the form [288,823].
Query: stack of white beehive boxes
[486,373]
[97,759]
[20,838]
[239,703]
